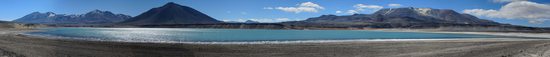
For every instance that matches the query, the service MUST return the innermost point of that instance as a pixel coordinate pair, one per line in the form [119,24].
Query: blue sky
[260,10]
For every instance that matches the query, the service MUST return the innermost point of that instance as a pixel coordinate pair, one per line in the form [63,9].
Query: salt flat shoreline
[13,44]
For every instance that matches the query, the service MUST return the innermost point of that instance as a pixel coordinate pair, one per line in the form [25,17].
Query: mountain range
[92,17]
[397,18]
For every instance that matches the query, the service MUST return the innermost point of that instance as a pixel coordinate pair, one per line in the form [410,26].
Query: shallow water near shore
[190,35]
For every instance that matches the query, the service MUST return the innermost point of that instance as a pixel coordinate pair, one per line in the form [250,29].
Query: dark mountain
[171,13]
[93,17]
[397,18]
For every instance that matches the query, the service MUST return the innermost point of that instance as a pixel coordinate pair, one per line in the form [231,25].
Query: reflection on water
[231,35]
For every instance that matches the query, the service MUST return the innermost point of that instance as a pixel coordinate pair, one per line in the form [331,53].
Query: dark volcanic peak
[92,17]
[171,13]
[171,4]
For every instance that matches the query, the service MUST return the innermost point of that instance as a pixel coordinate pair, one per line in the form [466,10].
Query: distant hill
[171,13]
[92,17]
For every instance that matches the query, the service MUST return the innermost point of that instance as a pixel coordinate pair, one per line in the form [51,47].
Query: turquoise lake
[232,35]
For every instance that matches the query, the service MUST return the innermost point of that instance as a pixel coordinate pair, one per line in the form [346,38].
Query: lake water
[232,35]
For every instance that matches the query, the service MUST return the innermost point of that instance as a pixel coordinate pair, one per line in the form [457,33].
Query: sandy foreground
[14,45]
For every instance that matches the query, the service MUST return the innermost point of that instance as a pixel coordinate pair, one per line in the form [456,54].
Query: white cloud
[362,7]
[352,12]
[394,5]
[264,20]
[337,12]
[297,9]
[302,7]
[503,1]
[534,12]
[311,4]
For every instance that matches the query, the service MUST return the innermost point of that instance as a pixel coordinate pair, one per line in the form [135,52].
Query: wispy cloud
[534,12]
[302,7]
[394,5]
[362,7]
[352,11]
